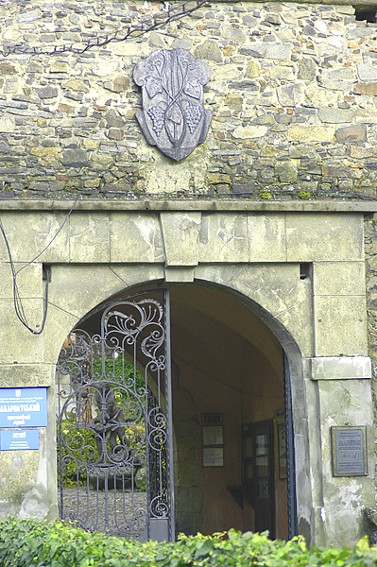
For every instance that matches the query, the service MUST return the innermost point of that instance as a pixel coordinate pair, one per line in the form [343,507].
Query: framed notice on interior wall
[349,450]
[280,446]
[213,439]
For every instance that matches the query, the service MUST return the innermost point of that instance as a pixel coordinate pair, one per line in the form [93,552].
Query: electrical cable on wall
[17,300]
[168,15]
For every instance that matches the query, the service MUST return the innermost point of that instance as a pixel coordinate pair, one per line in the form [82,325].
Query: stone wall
[293,94]
[371,284]
[319,320]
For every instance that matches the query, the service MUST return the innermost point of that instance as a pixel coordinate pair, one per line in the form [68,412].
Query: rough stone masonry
[293,94]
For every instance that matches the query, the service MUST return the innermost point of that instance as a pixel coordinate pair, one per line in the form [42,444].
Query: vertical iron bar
[60,449]
[291,467]
[169,419]
[147,456]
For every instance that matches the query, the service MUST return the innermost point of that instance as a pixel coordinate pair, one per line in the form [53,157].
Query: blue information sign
[23,407]
[19,440]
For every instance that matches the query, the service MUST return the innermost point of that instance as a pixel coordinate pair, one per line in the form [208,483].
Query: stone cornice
[324,2]
[95,205]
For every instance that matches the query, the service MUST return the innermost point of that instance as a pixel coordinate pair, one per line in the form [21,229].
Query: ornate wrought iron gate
[115,421]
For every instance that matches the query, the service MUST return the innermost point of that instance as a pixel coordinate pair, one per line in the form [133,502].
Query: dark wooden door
[258,473]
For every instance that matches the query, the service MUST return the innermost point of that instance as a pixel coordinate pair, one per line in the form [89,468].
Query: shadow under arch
[298,457]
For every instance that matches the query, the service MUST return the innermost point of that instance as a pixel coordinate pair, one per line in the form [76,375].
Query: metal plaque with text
[349,450]
[19,440]
[23,407]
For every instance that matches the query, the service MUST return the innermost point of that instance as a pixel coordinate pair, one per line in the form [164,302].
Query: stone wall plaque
[173,116]
[349,451]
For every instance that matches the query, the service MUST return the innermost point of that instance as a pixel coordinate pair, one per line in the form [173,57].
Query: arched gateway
[184,377]
[254,293]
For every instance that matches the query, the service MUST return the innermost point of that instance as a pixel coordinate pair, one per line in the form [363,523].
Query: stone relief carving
[173,116]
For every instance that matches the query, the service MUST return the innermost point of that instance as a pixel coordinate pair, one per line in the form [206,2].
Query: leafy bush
[26,543]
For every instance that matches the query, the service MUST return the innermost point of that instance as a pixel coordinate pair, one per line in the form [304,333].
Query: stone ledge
[341,368]
[325,2]
[317,206]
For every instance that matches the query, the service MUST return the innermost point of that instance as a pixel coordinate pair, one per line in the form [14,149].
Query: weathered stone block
[29,16]
[47,92]
[19,474]
[78,290]
[233,34]
[286,171]
[121,84]
[290,95]
[367,72]
[7,68]
[29,280]
[7,123]
[181,232]
[113,119]
[89,238]
[26,375]
[46,153]
[341,368]
[245,132]
[369,89]
[324,237]
[252,70]
[339,79]
[30,235]
[179,274]
[307,69]
[277,51]
[115,134]
[209,50]
[18,345]
[59,67]
[354,133]
[228,235]
[340,326]
[335,115]
[340,278]
[75,158]
[76,85]
[142,234]
[308,133]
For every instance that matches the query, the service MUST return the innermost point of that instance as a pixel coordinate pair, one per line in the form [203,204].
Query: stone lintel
[341,368]
[179,275]
[215,205]
[325,2]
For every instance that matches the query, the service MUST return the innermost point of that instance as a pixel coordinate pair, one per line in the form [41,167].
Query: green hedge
[26,543]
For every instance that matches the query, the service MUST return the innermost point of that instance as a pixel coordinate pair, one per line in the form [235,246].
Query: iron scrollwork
[173,116]
[112,426]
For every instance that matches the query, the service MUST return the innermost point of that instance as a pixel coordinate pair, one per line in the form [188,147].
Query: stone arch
[265,306]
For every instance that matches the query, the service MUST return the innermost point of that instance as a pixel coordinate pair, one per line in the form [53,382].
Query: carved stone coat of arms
[173,116]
